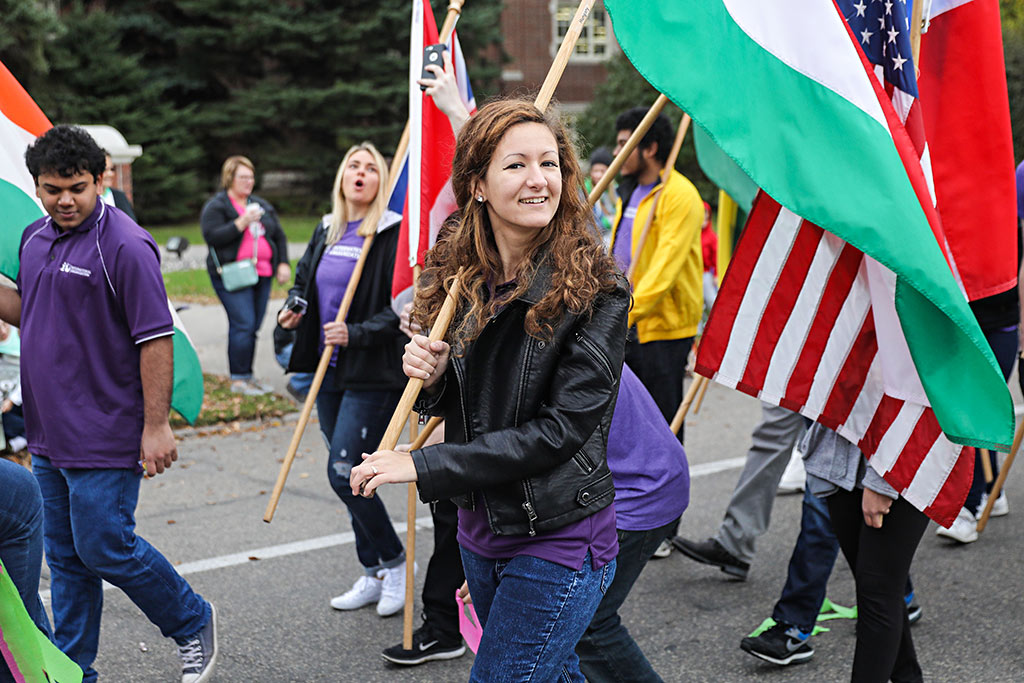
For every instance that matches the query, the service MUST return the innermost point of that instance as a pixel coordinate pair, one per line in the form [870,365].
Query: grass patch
[220,405]
[296,229]
[193,286]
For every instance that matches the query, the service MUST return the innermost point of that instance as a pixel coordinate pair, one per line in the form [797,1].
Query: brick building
[533,30]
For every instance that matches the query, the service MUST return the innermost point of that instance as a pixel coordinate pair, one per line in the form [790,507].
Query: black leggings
[880,561]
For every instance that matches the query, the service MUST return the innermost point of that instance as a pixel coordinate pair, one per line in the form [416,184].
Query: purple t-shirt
[623,250]
[332,276]
[89,297]
[648,464]
[567,546]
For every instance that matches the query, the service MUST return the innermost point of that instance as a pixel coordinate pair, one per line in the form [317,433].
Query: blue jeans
[21,537]
[352,423]
[89,535]
[607,652]
[533,612]
[810,566]
[245,308]
[1004,347]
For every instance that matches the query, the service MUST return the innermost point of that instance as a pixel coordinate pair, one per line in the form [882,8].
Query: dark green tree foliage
[625,88]
[1013,50]
[291,84]
[24,31]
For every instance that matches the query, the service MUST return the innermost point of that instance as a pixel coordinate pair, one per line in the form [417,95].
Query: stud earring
[480,198]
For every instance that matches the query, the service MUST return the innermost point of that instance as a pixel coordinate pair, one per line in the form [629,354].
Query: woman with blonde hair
[238,226]
[365,379]
[527,380]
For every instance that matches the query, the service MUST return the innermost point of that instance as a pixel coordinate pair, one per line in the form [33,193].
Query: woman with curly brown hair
[527,381]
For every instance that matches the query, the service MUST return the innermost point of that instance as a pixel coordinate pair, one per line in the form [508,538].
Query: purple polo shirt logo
[74,270]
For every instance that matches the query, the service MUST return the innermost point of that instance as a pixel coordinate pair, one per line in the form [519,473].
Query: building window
[596,42]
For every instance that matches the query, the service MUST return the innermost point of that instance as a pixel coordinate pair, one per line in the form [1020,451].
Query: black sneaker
[712,552]
[426,646]
[782,644]
[199,653]
[913,609]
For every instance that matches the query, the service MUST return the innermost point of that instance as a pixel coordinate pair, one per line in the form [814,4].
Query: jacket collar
[541,282]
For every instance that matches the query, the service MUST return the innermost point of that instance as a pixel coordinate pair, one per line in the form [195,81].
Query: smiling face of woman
[523,183]
[360,179]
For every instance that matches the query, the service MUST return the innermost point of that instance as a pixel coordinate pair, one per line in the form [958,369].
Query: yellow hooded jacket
[668,299]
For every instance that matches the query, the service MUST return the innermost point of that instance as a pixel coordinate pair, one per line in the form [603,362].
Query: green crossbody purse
[237,274]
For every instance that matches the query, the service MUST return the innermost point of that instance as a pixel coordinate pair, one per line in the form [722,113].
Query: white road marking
[284,549]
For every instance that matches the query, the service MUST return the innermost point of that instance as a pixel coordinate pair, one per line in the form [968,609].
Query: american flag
[806,321]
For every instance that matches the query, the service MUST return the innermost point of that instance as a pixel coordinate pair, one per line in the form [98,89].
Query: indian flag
[21,122]
[844,304]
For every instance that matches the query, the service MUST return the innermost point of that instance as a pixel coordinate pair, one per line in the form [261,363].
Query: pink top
[264,254]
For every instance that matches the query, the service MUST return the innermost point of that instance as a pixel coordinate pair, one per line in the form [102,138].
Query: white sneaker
[963,530]
[243,387]
[794,477]
[365,591]
[392,597]
[663,550]
[1000,508]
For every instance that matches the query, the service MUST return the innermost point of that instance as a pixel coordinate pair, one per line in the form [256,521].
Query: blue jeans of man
[533,613]
[245,308]
[810,567]
[607,652]
[352,423]
[21,538]
[89,536]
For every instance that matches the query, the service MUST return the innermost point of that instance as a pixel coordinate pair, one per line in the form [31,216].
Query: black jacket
[218,224]
[121,202]
[527,420]
[372,361]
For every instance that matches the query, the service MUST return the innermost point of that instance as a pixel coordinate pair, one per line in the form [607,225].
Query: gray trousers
[750,508]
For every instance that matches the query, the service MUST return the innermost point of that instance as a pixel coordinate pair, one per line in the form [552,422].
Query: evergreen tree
[625,88]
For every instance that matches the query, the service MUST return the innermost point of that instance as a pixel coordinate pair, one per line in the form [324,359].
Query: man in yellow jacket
[667,285]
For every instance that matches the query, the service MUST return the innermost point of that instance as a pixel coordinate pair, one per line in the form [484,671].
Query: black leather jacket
[527,420]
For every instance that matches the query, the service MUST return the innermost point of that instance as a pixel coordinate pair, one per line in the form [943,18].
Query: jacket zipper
[583,461]
[531,514]
[593,351]
[522,377]
[462,398]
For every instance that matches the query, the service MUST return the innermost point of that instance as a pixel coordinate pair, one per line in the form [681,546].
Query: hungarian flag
[426,176]
[967,116]
[842,305]
[21,122]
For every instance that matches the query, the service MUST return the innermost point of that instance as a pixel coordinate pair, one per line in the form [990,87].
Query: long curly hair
[570,243]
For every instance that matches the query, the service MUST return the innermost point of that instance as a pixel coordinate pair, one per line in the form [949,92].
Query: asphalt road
[272,582]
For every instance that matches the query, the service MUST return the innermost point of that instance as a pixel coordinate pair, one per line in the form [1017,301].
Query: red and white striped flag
[794,325]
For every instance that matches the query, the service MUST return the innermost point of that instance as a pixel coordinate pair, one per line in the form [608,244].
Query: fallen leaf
[171,521]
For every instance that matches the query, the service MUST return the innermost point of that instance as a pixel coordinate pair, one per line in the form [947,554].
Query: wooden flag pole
[997,488]
[700,396]
[986,464]
[454,9]
[634,139]
[547,89]
[670,164]
[684,407]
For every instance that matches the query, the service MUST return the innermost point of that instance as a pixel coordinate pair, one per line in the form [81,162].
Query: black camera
[296,304]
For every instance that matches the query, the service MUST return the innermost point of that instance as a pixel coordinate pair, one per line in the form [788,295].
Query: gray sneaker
[198,654]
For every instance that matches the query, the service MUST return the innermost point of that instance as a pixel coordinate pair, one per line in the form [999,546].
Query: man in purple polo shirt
[97,374]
